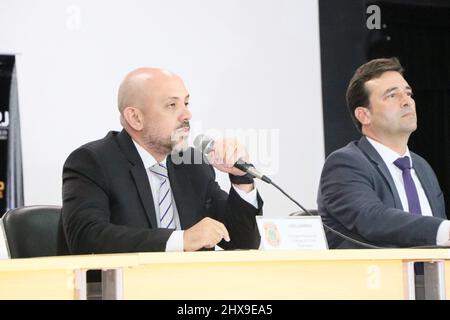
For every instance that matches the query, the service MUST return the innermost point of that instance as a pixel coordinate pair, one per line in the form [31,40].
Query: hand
[225,154]
[204,234]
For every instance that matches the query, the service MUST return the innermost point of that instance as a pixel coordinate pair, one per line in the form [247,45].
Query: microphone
[205,145]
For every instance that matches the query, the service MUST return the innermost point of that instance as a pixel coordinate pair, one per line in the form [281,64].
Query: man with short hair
[376,190]
[125,192]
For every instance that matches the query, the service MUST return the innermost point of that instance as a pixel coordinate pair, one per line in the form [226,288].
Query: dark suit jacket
[357,196]
[108,205]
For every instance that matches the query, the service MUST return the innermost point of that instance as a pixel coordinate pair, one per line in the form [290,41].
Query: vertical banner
[11,177]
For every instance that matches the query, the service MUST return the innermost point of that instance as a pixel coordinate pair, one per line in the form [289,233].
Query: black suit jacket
[108,205]
[357,196]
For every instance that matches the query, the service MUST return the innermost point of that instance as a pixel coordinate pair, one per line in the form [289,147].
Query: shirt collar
[147,159]
[388,155]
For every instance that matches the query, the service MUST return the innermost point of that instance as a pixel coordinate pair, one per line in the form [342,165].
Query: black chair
[35,231]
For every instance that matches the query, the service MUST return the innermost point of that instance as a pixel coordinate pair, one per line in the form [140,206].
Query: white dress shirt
[389,156]
[175,241]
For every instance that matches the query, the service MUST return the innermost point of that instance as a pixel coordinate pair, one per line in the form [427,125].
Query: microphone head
[204,143]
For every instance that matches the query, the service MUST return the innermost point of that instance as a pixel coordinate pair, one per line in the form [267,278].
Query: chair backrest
[35,231]
[314,212]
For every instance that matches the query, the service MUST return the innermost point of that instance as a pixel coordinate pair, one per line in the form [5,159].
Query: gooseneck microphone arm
[206,144]
[364,244]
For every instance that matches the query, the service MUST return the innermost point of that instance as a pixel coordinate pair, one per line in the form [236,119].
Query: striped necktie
[166,217]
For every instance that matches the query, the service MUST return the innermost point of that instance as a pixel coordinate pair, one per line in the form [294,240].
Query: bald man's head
[153,105]
[138,86]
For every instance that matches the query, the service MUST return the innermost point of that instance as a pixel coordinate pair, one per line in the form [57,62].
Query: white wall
[249,64]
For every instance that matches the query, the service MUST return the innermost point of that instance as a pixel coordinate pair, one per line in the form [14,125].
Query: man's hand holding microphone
[222,154]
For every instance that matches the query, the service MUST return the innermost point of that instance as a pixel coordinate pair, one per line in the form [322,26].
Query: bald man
[125,192]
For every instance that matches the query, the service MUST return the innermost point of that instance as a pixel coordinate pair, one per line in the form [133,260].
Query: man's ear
[363,115]
[134,118]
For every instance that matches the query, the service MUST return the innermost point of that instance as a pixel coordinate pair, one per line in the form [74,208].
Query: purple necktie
[411,192]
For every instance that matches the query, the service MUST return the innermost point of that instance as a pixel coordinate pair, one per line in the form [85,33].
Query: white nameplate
[292,233]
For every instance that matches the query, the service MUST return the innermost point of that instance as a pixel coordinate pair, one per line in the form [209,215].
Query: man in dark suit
[142,189]
[375,190]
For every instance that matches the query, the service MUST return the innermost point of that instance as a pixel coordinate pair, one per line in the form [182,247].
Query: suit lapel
[373,155]
[183,193]
[139,175]
[421,170]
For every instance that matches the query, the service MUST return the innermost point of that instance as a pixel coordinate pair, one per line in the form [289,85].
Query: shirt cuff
[175,242]
[250,197]
[443,234]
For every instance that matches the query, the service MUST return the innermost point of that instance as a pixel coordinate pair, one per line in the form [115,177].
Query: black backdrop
[418,33]
[6,71]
